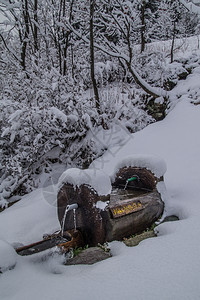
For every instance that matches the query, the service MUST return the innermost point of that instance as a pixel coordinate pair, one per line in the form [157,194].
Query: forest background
[72,72]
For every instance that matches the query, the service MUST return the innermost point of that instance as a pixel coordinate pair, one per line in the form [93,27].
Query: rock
[134,241]
[158,110]
[8,257]
[196,102]
[183,75]
[89,256]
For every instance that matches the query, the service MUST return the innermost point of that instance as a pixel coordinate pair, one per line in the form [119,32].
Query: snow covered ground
[166,267]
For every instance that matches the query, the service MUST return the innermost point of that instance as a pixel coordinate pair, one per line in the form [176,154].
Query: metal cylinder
[72,206]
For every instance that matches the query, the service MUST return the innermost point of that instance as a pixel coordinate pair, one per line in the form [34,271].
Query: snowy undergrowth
[58,126]
[66,131]
[185,87]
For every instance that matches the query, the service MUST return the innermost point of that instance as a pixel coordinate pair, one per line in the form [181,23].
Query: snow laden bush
[179,70]
[151,65]
[45,115]
[30,133]
[105,71]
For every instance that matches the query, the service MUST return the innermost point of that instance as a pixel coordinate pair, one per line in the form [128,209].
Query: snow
[158,92]
[192,6]
[101,205]
[58,114]
[192,86]
[169,262]
[153,163]
[182,46]
[8,256]
[166,267]
[27,221]
[96,179]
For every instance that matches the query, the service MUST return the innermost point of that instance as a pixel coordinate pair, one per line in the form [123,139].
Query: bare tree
[118,20]
[23,19]
[35,30]
[25,37]
[143,5]
[92,66]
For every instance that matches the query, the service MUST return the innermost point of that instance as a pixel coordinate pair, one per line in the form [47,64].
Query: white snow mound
[101,205]
[152,163]
[8,256]
[96,179]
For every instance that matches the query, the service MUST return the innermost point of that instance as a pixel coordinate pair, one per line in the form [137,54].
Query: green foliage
[78,250]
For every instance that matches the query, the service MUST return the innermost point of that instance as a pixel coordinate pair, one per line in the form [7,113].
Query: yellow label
[126,209]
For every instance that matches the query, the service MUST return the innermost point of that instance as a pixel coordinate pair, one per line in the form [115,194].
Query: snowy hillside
[166,267]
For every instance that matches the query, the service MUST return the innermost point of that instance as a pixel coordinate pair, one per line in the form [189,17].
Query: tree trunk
[94,83]
[35,30]
[66,37]
[65,47]
[173,40]
[26,34]
[143,27]
[155,92]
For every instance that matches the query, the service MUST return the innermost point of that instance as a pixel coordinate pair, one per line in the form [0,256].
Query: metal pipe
[72,206]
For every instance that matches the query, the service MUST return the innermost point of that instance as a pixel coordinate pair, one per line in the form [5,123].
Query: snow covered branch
[192,6]
[117,54]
